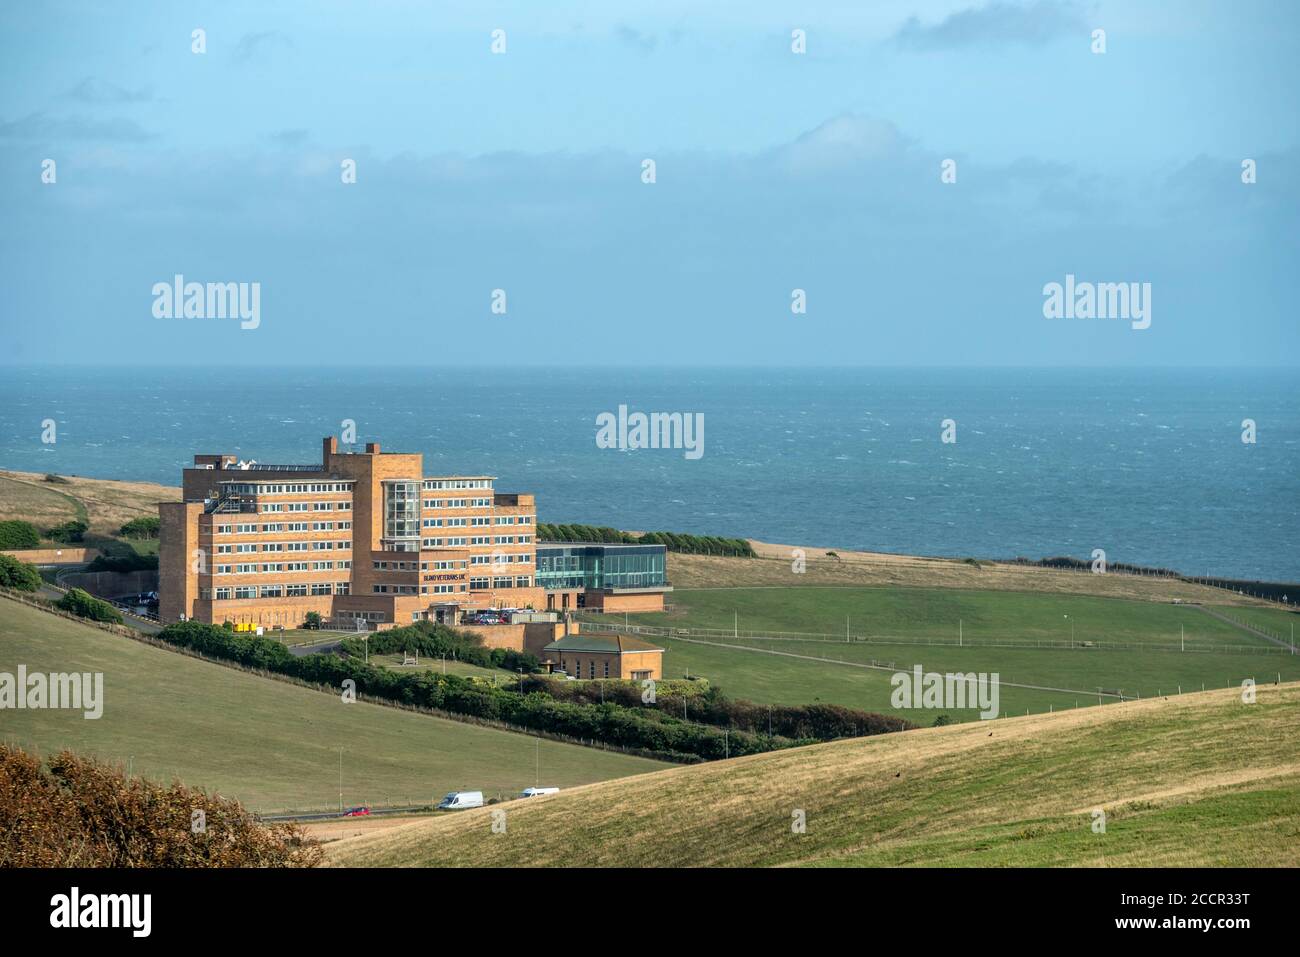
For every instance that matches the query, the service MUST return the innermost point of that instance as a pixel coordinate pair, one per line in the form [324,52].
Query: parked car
[356,812]
[459,800]
[538,792]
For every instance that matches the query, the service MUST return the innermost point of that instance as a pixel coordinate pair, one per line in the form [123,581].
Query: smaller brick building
[605,656]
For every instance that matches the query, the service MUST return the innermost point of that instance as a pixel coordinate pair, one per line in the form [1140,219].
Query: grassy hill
[1024,637]
[1198,779]
[825,567]
[271,744]
[104,505]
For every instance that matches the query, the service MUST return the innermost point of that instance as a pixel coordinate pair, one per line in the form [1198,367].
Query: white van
[538,792]
[458,800]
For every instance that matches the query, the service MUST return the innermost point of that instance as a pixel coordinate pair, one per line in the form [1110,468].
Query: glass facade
[566,566]
[402,516]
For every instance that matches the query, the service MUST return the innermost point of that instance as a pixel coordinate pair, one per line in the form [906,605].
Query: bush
[147,526]
[56,479]
[17,534]
[85,605]
[19,575]
[77,812]
[69,533]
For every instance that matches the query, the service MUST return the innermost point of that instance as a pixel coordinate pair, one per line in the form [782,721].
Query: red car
[356,812]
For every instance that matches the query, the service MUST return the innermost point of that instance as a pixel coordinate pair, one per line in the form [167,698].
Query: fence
[950,642]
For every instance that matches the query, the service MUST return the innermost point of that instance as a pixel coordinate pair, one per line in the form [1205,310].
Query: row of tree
[674,541]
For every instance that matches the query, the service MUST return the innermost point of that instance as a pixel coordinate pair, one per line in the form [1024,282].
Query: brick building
[605,656]
[359,536]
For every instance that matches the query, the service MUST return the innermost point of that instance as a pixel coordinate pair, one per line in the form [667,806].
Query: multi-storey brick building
[362,535]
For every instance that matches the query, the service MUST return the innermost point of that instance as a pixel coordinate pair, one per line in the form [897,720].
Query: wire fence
[1194,645]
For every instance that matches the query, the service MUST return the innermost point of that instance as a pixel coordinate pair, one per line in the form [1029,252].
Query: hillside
[1197,779]
[271,744]
[772,568]
[105,505]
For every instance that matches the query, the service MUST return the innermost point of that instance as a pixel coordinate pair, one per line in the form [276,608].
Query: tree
[146,526]
[17,534]
[19,575]
[312,621]
[69,532]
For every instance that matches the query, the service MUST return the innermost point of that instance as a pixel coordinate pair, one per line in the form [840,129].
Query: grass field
[940,612]
[273,745]
[1199,780]
[782,671]
[104,505]
[773,568]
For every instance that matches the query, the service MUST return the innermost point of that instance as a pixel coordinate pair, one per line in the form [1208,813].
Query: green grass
[271,744]
[451,667]
[940,613]
[909,617]
[1198,780]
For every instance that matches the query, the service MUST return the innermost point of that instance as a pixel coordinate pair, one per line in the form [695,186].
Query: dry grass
[106,504]
[773,569]
[1195,779]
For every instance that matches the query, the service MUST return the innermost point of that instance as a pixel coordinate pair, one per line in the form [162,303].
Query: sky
[522,171]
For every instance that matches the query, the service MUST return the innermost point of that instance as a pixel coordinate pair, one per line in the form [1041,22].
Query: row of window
[431,485]
[478,540]
[253,528]
[478,521]
[435,503]
[262,569]
[501,558]
[285,488]
[341,544]
[306,507]
[226,593]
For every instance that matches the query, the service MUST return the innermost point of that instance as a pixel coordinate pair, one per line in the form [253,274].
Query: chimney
[330,446]
[372,448]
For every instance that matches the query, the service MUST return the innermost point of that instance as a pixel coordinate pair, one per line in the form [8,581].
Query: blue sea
[1146,464]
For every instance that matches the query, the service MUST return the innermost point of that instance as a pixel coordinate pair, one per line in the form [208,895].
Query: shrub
[146,526]
[18,534]
[69,533]
[19,575]
[85,605]
[77,812]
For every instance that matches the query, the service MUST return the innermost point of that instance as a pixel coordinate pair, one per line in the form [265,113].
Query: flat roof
[609,644]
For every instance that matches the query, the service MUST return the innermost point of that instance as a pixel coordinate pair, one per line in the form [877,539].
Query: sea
[1147,464]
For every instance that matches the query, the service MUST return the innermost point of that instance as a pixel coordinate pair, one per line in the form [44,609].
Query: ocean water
[1146,464]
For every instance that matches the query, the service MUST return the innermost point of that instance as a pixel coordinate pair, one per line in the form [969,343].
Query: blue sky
[775,171]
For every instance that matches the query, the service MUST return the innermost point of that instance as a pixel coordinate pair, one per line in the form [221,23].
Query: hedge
[673,541]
